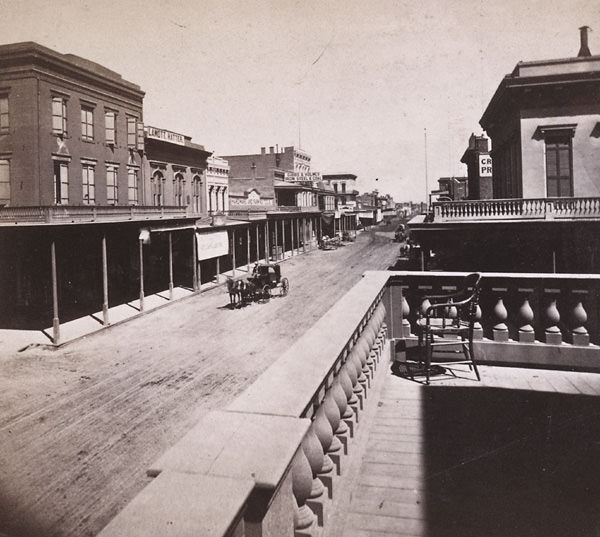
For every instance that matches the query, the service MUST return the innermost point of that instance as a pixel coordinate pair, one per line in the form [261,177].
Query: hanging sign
[212,245]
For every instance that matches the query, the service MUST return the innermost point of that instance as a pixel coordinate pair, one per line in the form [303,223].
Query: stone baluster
[348,414]
[339,396]
[405,328]
[360,389]
[579,333]
[356,399]
[477,328]
[313,450]
[500,330]
[553,333]
[324,432]
[364,352]
[526,330]
[332,413]
[302,482]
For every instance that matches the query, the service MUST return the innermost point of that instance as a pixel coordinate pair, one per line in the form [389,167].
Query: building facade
[71,131]
[544,123]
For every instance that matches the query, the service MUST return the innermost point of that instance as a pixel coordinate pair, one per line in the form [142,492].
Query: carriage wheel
[266,294]
[285,286]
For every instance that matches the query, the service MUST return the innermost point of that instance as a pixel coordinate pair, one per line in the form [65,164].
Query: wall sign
[485,166]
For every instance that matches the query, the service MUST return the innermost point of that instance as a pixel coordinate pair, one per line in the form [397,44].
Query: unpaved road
[80,425]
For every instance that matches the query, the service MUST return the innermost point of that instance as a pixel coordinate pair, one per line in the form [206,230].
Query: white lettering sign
[485,166]
[167,136]
[212,245]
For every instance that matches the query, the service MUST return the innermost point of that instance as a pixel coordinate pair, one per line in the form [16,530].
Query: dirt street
[80,425]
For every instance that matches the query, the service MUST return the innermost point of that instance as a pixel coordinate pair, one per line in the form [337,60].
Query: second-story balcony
[330,441]
[516,209]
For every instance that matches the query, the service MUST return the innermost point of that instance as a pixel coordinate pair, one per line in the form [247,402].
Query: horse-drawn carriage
[265,278]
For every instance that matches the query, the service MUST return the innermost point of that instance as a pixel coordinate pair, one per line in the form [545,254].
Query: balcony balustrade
[270,463]
[61,214]
[517,209]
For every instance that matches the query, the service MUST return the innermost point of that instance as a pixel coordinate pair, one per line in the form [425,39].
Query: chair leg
[472,352]
[428,355]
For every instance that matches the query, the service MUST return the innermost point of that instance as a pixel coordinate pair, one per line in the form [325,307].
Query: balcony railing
[268,464]
[517,209]
[60,214]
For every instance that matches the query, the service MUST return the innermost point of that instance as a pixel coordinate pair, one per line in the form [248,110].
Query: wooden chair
[447,326]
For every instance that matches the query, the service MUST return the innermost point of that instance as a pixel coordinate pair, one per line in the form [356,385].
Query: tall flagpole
[426,174]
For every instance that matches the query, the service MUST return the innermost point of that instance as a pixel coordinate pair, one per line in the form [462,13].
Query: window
[4,182]
[87,123]
[157,185]
[110,126]
[343,188]
[61,182]
[179,188]
[59,116]
[131,133]
[112,197]
[132,186]
[4,114]
[89,192]
[559,180]
[196,192]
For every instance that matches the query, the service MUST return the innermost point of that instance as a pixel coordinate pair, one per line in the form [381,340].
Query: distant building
[176,171]
[454,188]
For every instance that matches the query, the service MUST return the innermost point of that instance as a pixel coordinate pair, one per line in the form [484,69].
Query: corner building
[71,131]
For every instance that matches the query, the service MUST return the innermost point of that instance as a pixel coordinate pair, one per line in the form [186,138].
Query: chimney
[271,149]
[262,150]
[583,36]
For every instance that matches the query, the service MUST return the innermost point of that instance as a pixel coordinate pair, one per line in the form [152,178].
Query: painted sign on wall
[485,166]
[211,245]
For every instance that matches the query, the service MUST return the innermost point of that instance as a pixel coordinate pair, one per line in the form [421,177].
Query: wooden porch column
[266,240]
[276,242]
[105,320]
[304,235]
[141,249]
[283,238]
[194,262]
[292,234]
[233,252]
[257,244]
[248,246]
[170,266]
[55,320]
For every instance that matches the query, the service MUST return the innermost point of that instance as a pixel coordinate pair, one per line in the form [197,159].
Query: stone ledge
[204,505]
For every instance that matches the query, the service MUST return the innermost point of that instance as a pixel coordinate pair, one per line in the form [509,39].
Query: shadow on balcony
[503,462]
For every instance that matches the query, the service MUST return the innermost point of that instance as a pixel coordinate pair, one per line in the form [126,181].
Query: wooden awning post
[105,318]
[170,266]
[55,320]
[141,249]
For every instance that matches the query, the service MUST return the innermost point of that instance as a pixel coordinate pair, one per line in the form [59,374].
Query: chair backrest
[472,290]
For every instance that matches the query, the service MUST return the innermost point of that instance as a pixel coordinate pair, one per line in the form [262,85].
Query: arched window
[196,193]
[157,184]
[178,189]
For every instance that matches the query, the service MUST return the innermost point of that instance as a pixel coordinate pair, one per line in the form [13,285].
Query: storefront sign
[212,245]
[167,136]
[485,166]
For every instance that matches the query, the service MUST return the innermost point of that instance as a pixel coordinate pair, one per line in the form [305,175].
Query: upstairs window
[157,186]
[89,184]
[132,186]
[559,167]
[61,182]
[87,123]
[131,132]
[112,197]
[4,124]
[179,188]
[110,127]
[4,182]
[59,116]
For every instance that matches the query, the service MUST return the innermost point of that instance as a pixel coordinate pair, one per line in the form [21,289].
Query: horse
[235,292]
[248,291]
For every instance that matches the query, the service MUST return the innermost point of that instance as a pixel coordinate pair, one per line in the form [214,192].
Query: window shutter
[140,136]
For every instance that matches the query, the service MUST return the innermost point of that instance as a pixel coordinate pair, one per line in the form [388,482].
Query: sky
[389,90]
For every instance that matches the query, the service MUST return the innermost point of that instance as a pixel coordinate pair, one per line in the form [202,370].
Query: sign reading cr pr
[485,166]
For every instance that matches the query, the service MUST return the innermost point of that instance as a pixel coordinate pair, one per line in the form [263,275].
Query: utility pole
[426,175]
